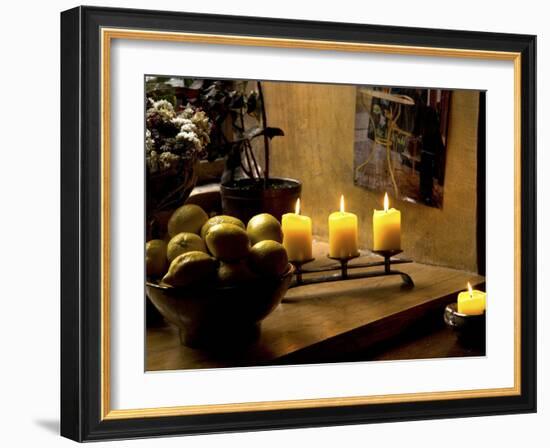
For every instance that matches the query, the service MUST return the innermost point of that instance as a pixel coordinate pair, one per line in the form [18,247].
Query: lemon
[220,219]
[190,268]
[184,242]
[155,258]
[269,258]
[188,218]
[264,227]
[227,242]
[230,274]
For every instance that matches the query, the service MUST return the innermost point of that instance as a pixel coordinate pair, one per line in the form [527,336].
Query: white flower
[191,137]
[163,104]
[168,160]
[152,162]
[185,135]
[185,124]
[163,108]
[149,142]
[188,111]
[178,120]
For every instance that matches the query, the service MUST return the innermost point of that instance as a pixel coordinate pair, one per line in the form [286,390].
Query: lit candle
[471,302]
[386,228]
[297,235]
[342,233]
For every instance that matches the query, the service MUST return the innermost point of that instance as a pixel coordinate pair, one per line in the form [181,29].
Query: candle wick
[470,290]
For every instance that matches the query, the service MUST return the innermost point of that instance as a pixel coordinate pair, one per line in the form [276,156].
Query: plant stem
[248,161]
[248,173]
[254,161]
[266,138]
[248,149]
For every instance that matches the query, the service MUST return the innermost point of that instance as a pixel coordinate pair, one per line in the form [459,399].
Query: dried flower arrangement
[175,139]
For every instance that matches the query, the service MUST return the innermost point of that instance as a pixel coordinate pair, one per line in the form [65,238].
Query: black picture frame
[81,214]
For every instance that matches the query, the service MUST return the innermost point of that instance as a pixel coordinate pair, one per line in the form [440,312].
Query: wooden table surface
[361,319]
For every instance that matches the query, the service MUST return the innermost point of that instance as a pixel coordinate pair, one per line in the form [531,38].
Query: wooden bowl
[219,316]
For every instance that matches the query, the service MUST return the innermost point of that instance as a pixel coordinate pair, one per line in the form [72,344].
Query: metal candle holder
[344,267]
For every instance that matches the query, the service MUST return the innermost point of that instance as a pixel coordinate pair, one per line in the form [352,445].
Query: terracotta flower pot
[245,198]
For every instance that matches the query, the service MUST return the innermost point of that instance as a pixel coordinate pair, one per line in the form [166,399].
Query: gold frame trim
[107,35]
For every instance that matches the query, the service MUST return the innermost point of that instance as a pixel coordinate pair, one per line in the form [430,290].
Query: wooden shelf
[331,322]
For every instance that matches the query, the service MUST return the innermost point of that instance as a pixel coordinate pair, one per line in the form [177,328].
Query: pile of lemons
[219,249]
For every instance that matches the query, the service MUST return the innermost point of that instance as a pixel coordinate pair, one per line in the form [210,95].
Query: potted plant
[238,121]
[247,188]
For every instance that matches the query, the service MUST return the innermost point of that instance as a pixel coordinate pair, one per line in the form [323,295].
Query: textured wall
[318,121]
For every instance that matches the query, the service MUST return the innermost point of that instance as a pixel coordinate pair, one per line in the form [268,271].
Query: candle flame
[386,202]
[342,203]
[297,210]
[470,290]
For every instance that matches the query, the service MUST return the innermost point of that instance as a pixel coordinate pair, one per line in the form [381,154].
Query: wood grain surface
[330,322]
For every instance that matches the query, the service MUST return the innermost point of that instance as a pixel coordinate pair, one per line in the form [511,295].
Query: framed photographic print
[273,223]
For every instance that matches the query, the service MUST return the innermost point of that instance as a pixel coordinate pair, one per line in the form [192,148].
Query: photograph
[400,137]
[295,223]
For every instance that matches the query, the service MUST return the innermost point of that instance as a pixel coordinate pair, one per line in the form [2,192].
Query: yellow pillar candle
[297,235]
[342,233]
[471,302]
[386,228]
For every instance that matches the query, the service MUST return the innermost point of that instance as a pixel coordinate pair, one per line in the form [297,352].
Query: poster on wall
[400,142]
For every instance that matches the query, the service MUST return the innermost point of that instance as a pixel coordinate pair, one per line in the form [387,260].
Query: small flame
[297,210]
[386,203]
[470,289]
[342,203]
